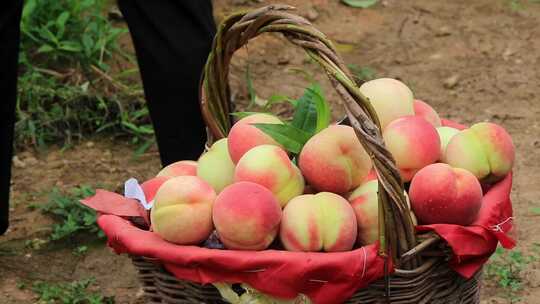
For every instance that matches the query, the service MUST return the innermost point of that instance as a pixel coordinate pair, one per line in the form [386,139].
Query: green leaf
[277,99]
[87,43]
[290,137]
[29,7]
[243,114]
[45,33]
[143,148]
[251,90]
[324,115]
[535,210]
[360,3]
[70,46]
[312,112]
[305,116]
[61,23]
[45,49]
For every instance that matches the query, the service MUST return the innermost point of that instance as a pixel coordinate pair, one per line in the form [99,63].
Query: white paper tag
[132,189]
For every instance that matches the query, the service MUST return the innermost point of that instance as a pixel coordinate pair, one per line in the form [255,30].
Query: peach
[246,216]
[182,210]
[216,167]
[243,135]
[413,142]
[269,166]
[485,149]
[365,202]
[333,160]
[151,186]
[389,97]
[441,194]
[445,134]
[315,222]
[180,168]
[424,110]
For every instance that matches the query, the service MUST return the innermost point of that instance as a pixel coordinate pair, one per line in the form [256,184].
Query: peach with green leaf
[244,136]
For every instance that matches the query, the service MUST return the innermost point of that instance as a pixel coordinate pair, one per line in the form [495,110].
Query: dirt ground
[471,60]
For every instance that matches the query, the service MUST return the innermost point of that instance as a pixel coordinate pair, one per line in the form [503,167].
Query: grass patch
[67,87]
[505,270]
[69,293]
[72,217]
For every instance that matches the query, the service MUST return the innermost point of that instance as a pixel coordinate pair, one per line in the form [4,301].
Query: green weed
[67,88]
[362,74]
[80,250]
[72,216]
[69,293]
[68,32]
[505,268]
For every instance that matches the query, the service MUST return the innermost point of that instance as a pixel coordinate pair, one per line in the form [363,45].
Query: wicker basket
[422,272]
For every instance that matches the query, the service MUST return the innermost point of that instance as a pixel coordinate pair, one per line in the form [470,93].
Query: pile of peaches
[250,193]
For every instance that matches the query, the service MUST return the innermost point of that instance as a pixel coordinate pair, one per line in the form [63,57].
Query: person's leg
[10,16]
[172,40]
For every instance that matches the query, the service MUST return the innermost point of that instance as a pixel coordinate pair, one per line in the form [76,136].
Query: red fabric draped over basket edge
[323,277]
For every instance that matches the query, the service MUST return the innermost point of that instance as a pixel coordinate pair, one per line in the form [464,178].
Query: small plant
[311,115]
[73,217]
[80,250]
[506,268]
[362,74]
[69,293]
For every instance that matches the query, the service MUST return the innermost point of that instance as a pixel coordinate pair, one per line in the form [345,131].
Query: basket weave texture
[422,273]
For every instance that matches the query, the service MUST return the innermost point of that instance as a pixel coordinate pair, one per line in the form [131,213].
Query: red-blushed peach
[365,203]
[389,97]
[216,167]
[425,111]
[318,222]
[243,136]
[333,160]
[485,149]
[413,142]
[182,210]
[151,186]
[269,166]
[246,216]
[441,194]
[180,168]
[445,134]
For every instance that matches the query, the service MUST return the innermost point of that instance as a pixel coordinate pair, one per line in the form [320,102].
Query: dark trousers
[172,40]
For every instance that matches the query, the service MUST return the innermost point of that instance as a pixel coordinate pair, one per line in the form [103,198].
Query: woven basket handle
[395,225]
